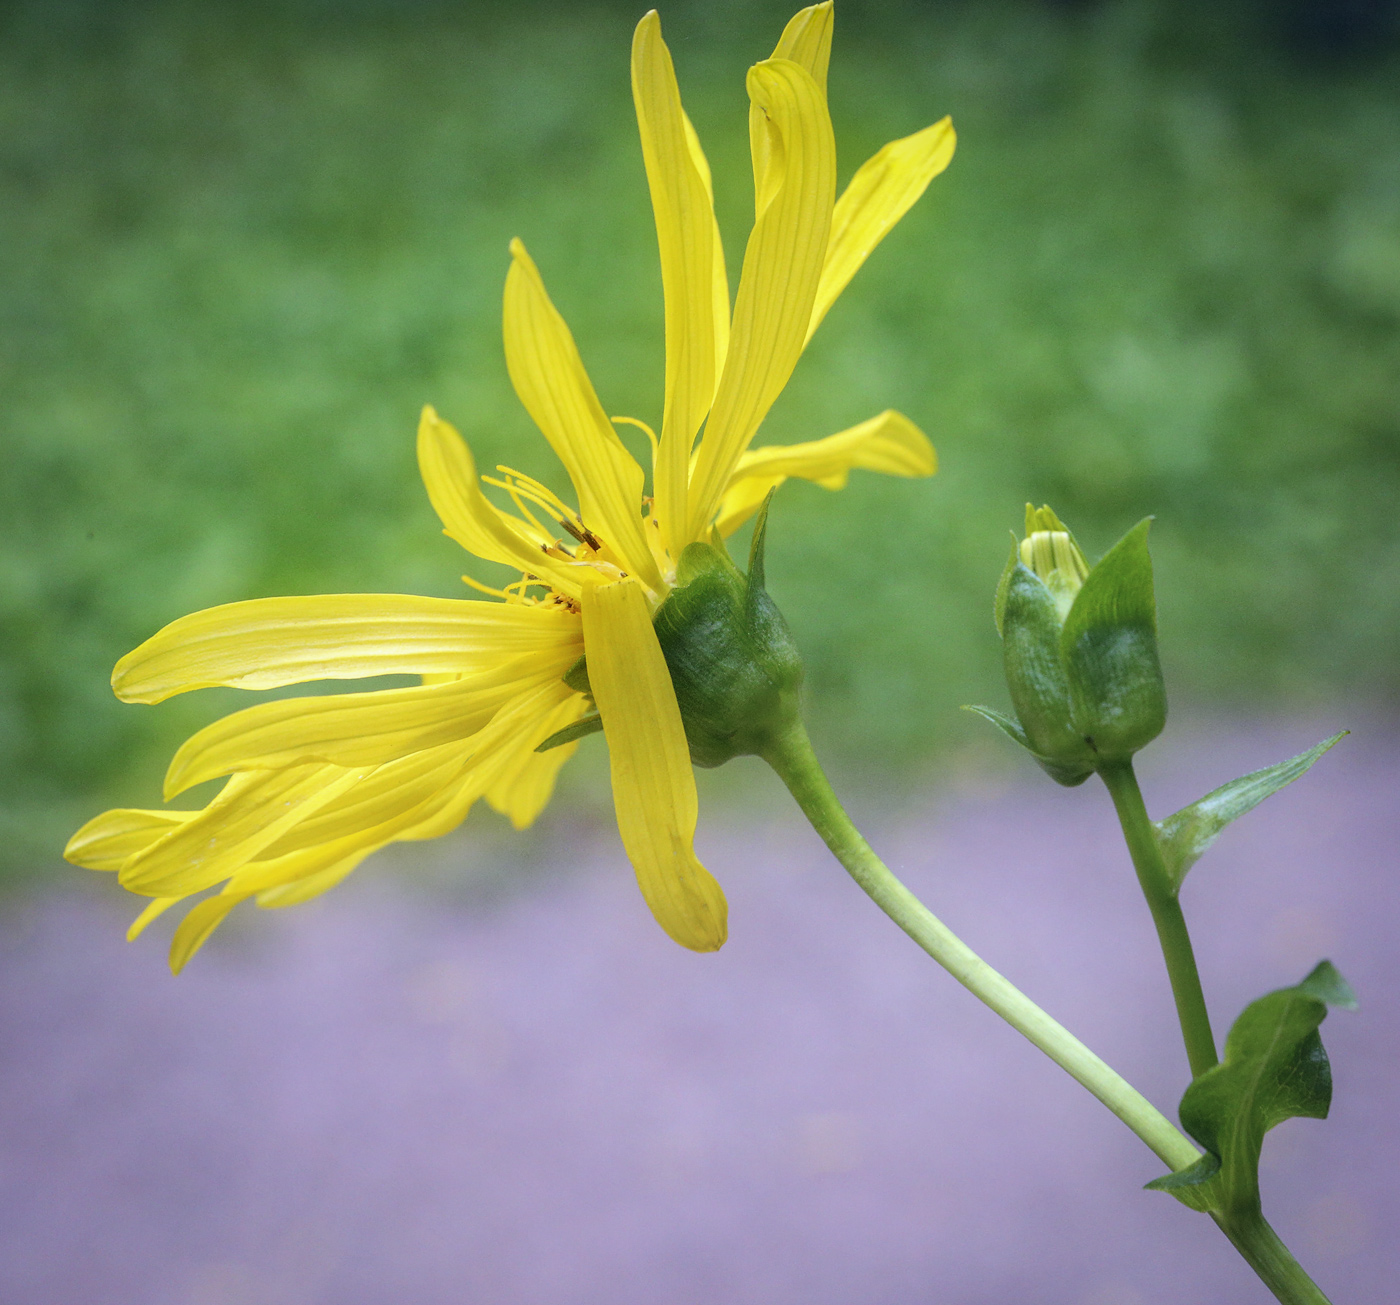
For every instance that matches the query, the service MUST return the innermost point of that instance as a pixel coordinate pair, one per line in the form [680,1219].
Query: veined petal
[889,443]
[806,40]
[685,225]
[108,841]
[653,784]
[359,729]
[267,642]
[251,813]
[779,282]
[527,780]
[428,793]
[469,517]
[719,279]
[882,191]
[549,377]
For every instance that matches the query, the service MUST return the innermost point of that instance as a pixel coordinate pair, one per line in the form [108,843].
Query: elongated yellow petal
[719,280]
[779,280]
[806,40]
[251,812]
[310,886]
[527,780]
[200,921]
[882,191]
[549,377]
[359,729]
[449,473]
[108,841]
[653,784]
[685,225]
[428,793]
[156,908]
[268,642]
[889,443]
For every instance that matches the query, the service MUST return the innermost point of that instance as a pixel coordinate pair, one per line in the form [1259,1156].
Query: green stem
[1166,915]
[792,757]
[1270,1258]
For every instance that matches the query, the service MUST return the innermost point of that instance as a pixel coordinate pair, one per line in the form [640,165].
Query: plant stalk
[1251,1235]
[1162,901]
[792,757]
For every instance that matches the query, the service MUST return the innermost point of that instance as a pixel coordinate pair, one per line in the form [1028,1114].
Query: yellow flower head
[315,784]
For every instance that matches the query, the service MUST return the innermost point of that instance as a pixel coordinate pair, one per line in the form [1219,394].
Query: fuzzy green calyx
[735,668]
[1080,649]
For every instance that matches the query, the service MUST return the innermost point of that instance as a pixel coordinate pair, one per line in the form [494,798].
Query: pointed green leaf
[580,729]
[1068,775]
[1109,648]
[1012,729]
[1274,1069]
[576,677]
[1186,835]
[758,544]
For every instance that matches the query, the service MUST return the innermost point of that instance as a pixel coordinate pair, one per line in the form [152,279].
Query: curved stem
[792,757]
[1162,901]
[1251,1235]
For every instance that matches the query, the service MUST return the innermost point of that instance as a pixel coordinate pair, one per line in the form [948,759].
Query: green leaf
[1184,836]
[1274,1069]
[1109,648]
[1068,775]
[580,729]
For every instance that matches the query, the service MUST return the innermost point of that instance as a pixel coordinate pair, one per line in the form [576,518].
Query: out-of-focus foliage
[241,245]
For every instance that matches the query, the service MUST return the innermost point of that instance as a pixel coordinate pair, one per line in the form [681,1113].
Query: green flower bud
[1080,649]
[733,663]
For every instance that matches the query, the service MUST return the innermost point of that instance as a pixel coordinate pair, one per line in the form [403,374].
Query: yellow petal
[158,907]
[527,780]
[889,443]
[268,642]
[653,784]
[779,280]
[252,812]
[108,841]
[882,191]
[200,921]
[549,377]
[719,278]
[806,40]
[360,729]
[685,225]
[428,793]
[304,889]
[449,474]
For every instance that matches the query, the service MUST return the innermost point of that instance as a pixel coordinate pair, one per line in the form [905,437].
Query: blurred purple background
[520,1091]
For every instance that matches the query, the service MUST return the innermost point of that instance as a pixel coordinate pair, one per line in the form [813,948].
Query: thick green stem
[1270,1258]
[792,757]
[1166,915]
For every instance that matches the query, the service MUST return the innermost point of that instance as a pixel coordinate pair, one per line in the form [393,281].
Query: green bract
[733,664]
[1080,650]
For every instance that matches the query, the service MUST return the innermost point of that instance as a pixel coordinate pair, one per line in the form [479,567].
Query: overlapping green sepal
[733,663]
[1274,1069]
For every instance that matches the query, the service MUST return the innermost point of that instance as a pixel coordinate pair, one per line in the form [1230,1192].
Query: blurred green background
[240,245]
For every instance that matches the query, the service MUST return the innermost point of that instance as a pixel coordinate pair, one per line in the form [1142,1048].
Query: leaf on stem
[1274,1069]
[1183,837]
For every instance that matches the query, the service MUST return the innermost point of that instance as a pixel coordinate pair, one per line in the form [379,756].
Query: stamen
[485,589]
[516,498]
[537,493]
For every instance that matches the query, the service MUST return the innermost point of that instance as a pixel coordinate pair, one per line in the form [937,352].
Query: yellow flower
[316,784]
